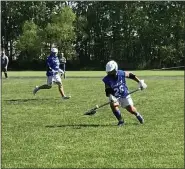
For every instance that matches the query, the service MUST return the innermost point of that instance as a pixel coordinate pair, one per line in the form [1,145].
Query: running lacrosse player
[117,91]
[53,74]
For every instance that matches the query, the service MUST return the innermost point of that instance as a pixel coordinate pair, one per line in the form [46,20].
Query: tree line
[138,35]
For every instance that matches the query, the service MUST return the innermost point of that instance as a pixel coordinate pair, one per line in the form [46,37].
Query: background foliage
[139,35]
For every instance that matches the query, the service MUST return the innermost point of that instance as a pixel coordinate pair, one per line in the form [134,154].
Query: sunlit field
[44,131]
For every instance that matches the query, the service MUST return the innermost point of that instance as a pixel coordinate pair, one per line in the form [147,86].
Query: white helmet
[111,65]
[54,50]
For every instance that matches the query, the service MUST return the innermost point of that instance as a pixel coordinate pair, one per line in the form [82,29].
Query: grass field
[44,131]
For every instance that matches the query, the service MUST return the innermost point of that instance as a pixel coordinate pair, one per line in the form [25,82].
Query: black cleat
[140,118]
[120,123]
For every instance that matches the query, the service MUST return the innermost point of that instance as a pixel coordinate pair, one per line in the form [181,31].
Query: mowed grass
[44,131]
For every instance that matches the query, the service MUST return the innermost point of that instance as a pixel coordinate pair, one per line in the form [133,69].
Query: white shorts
[125,101]
[53,79]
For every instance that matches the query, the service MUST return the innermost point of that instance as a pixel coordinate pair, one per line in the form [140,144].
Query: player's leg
[128,104]
[134,111]
[61,90]
[4,70]
[58,81]
[45,86]
[5,73]
[117,113]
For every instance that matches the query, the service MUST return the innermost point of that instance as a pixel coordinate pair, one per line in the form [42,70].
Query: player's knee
[131,109]
[59,84]
[114,106]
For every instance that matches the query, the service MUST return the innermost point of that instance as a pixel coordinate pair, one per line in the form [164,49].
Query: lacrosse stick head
[90,112]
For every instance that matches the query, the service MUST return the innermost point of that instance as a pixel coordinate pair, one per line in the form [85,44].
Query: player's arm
[61,71]
[64,60]
[132,76]
[48,65]
[7,61]
[110,93]
[108,90]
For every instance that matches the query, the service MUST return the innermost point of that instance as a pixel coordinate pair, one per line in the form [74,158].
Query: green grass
[43,131]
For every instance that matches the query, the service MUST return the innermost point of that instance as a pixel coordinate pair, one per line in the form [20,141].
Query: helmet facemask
[112,74]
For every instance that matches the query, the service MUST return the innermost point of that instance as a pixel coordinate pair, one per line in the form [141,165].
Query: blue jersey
[118,84]
[53,65]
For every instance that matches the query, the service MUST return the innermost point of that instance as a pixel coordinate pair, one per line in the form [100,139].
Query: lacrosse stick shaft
[97,107]
[134,91]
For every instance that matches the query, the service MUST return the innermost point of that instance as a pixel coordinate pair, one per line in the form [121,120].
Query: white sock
[137,114]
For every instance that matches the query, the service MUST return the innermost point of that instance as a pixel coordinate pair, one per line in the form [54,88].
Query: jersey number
[118,90]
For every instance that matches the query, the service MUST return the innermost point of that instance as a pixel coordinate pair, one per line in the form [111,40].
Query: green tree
[29,43]
[60,31]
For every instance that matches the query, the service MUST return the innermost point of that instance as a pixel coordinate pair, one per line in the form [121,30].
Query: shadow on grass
[79,126]
[26,100]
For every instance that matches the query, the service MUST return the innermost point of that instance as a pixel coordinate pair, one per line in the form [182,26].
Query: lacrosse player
[4,63]
[53,74]
[63,64]
[117,91]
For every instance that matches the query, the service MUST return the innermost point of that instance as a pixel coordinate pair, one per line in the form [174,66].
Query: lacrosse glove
[142,84]
[61,72]
[112,98]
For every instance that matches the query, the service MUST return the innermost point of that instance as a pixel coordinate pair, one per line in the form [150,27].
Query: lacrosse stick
[93,111]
